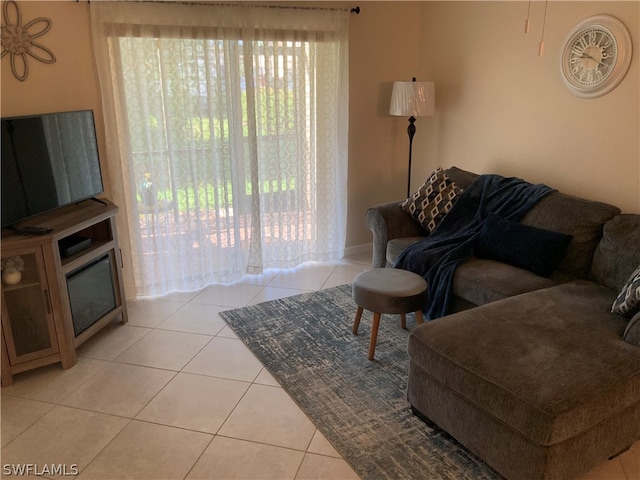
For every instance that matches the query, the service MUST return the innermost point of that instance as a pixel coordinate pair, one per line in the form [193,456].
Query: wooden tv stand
[37,317]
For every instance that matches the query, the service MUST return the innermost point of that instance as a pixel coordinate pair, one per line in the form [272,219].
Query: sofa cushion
[397,245]
[613,260]
[433,200]
[463,178]
[387,221]
[549,364]
[627,303]
[481,281]
[632,332]
[535,249]
[583,219]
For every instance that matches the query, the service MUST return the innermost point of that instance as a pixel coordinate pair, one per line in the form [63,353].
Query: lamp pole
[411,131]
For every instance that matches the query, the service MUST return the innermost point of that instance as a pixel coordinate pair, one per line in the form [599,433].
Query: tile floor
[175,394]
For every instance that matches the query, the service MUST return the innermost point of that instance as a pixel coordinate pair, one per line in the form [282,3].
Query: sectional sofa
[534,374]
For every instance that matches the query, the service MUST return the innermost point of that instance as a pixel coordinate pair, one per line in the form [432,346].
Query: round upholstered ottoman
[388,290]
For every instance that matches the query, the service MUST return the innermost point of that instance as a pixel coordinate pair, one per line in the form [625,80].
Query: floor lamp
[413,99]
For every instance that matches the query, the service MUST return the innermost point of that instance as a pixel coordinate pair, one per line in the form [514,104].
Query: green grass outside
[216,196]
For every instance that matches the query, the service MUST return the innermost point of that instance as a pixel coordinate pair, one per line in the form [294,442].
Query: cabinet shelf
[77,260]
[38,322]
[20,286]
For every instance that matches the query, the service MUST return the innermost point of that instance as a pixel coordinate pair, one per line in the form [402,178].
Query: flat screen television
[48,161]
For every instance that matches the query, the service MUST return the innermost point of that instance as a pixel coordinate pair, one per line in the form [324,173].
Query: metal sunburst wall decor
[18,40]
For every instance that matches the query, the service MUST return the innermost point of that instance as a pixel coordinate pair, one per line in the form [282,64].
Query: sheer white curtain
[226,137]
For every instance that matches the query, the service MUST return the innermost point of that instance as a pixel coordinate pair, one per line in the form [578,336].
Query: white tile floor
[175,394]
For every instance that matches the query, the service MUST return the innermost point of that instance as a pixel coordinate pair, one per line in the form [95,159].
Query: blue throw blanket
[452,242]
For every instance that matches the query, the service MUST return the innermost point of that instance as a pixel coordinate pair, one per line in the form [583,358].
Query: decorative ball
[11,276]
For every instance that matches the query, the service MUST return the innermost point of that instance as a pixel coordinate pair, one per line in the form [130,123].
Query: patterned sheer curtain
[226,137]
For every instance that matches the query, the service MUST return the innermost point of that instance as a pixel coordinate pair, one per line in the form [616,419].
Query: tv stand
[39,325]
[29,230]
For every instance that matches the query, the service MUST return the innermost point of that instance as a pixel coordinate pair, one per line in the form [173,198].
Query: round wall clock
[596,56]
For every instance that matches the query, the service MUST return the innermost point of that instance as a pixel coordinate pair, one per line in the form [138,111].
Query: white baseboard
[355,250]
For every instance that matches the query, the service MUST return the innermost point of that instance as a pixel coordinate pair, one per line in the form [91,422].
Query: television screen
[48,161]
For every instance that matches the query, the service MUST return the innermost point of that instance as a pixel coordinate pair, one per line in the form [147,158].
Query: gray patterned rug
[360,406]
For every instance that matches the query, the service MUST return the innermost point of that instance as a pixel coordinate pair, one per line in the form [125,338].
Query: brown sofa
[534,375]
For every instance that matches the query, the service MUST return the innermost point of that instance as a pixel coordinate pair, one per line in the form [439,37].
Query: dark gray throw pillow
[535,249]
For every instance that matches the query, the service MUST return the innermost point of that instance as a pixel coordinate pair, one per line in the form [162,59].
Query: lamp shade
[415,99]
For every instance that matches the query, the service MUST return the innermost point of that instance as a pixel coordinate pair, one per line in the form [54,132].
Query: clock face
[592,57]
[596,56]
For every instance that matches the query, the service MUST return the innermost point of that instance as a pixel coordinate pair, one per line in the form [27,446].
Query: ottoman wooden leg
[374,335]
[403,321]
[419,319]
[356,322]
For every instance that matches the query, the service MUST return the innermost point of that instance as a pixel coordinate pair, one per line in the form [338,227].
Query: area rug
[360,406]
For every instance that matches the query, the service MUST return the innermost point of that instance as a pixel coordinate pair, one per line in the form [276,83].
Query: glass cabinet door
[27,317]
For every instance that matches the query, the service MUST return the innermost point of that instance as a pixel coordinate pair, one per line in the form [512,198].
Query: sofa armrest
[388,221]
[632,332]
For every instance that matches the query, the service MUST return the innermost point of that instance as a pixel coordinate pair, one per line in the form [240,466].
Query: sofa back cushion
[462,178]
[581,218]
[618,253]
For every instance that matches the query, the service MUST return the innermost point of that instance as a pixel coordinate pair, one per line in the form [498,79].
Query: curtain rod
[355,10]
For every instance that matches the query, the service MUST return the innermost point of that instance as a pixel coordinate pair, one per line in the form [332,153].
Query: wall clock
[596,56]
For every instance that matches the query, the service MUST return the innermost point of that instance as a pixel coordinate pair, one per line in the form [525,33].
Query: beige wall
[500,107]
[383,47]
[69,83]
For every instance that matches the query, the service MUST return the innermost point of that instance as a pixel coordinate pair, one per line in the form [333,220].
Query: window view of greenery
[202,110]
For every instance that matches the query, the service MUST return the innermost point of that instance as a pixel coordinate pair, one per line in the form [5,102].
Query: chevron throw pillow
[627,303]
[433,200]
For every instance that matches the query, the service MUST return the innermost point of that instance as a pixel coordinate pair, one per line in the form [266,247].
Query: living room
[501,107]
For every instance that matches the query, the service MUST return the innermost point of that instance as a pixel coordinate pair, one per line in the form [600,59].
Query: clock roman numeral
[583,42]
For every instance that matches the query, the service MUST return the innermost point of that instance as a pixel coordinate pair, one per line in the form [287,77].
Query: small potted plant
[11,269]
[148,192]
